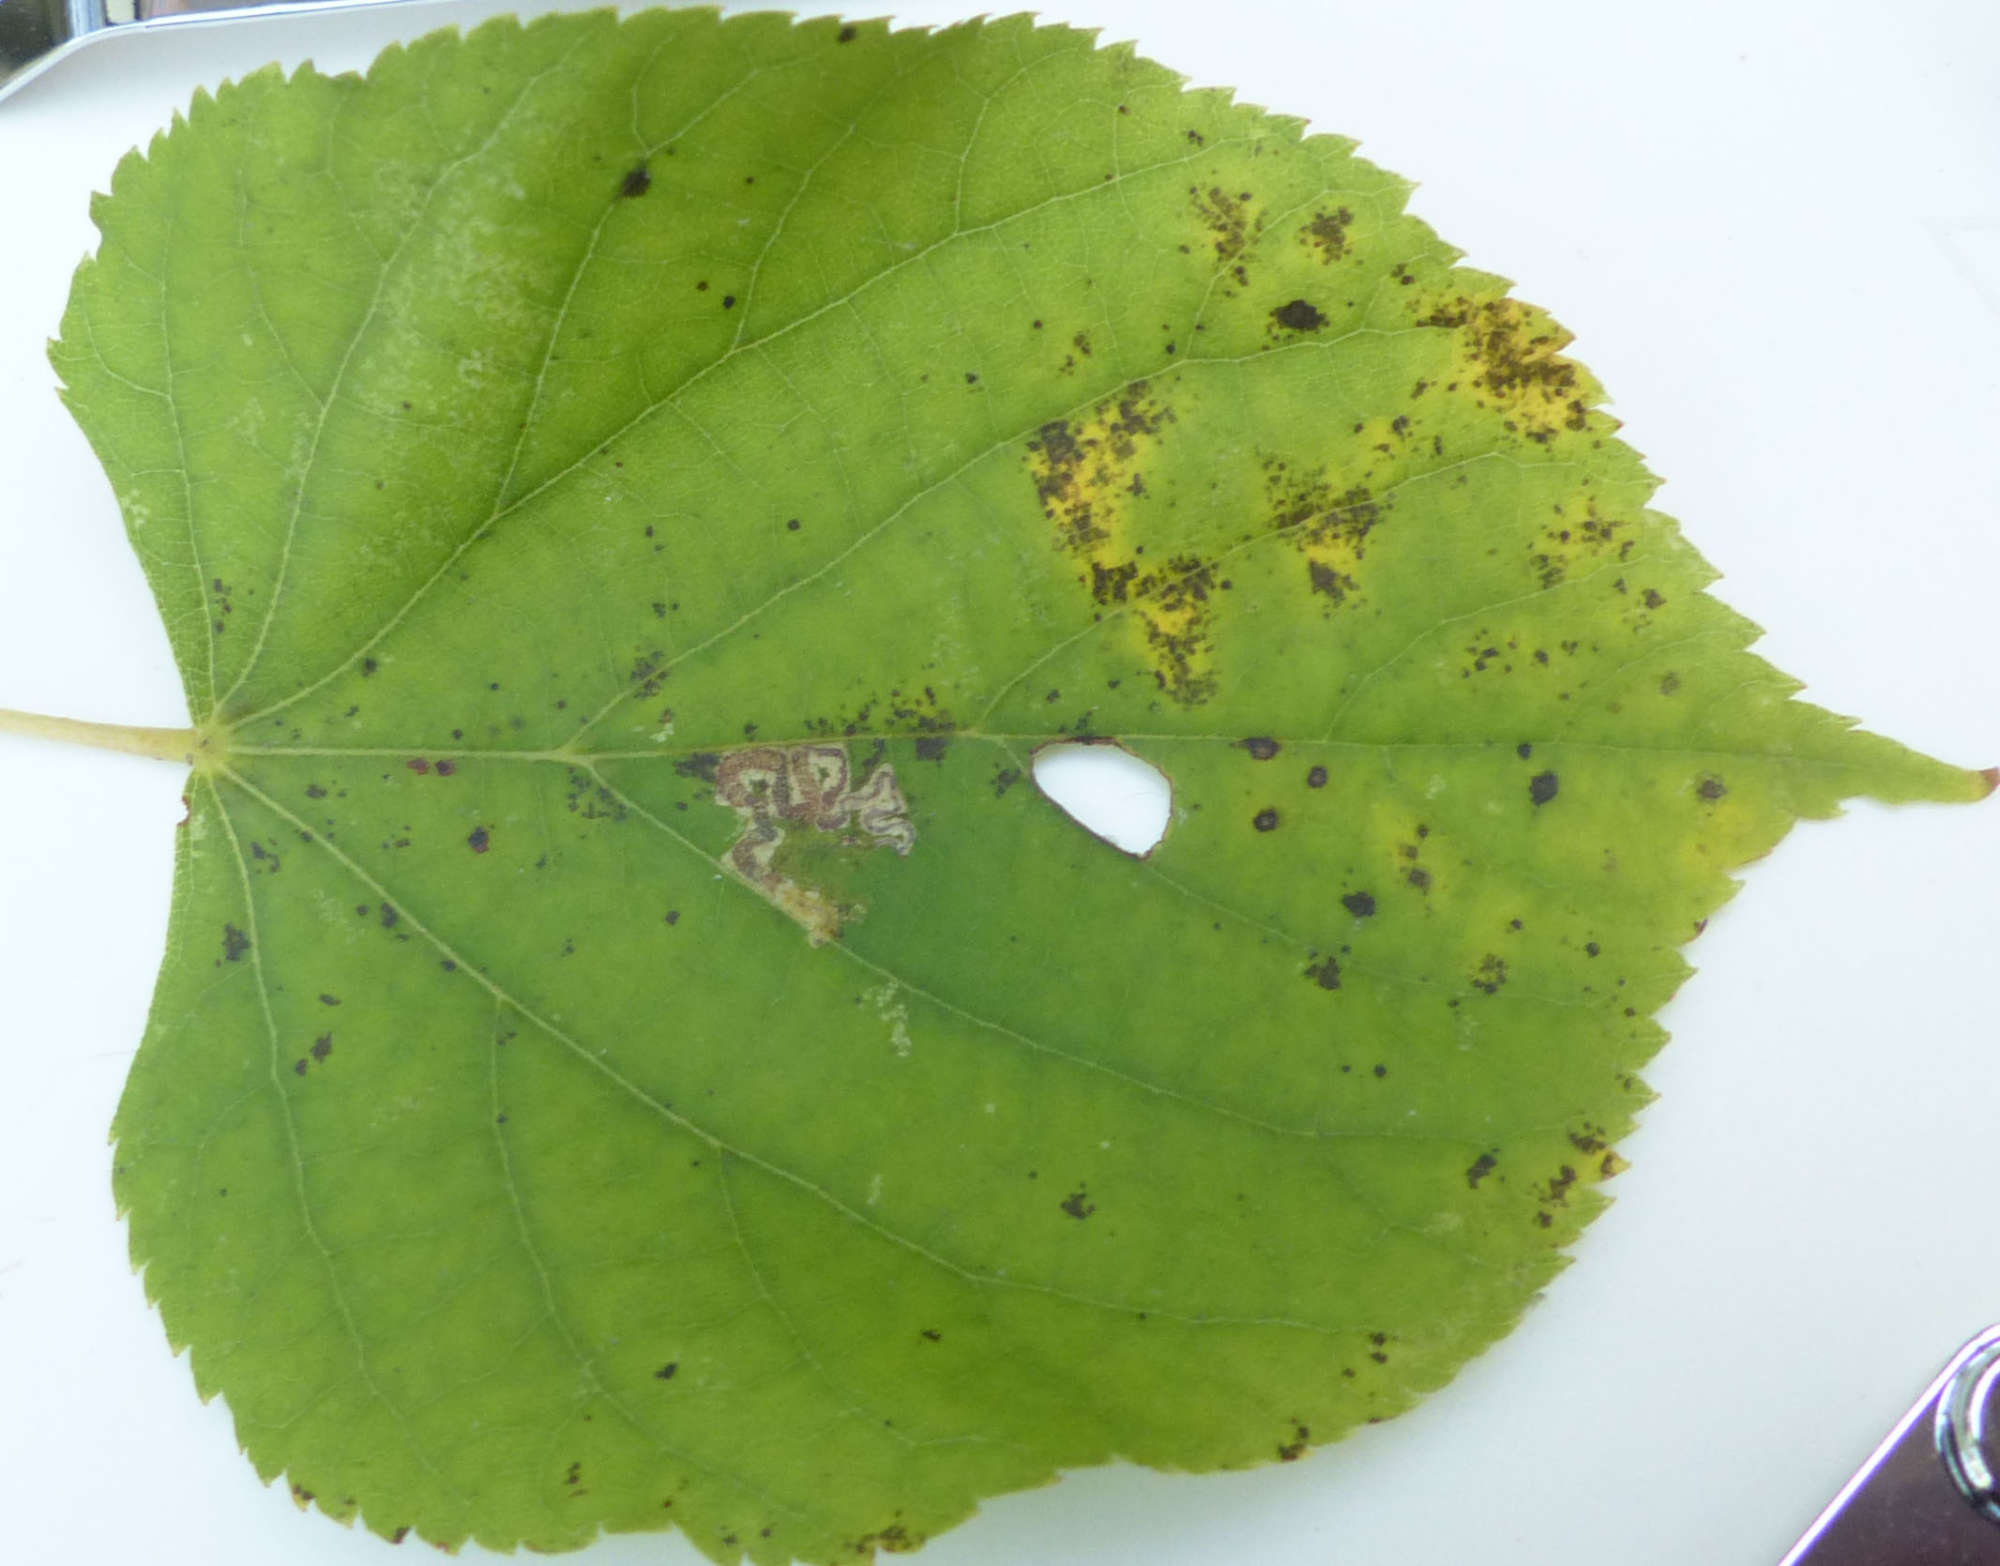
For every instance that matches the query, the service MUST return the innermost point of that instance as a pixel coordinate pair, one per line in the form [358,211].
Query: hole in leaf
[1108,791]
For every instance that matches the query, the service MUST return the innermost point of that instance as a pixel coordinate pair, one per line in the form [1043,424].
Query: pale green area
[510,432]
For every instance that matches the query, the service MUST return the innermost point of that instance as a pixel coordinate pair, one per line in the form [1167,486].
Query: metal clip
[1930,1494]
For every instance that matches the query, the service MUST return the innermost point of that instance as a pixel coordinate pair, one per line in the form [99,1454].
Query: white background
[1776,232]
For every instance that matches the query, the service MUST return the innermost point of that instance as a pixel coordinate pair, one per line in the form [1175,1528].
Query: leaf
[633,1051]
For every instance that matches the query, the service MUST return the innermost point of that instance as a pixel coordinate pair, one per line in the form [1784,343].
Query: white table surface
[1775,230]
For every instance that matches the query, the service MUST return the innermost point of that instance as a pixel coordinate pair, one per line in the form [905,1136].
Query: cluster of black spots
[1291,1451]
[1298,315]
[1492,973]
[1327,233]
[1078,1203]
[1481,1167]
[1360,904]
[1228,220]
[1325,973]
[1542,787]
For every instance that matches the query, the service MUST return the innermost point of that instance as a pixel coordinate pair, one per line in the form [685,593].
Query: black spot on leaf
[1298,316]
[1542,787]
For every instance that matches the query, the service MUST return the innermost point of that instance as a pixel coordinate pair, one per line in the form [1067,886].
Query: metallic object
[1930,1494]
[34,34]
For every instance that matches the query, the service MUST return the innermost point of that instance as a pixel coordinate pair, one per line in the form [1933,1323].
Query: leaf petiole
[180,745]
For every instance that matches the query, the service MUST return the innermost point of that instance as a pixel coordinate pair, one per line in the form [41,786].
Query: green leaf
[628,501]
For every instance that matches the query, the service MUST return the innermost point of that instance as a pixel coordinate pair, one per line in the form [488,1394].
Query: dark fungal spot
[931,1335]
[703,764]
[1491,975]
[847,35]
[729,301]
[479,841]
[1360,904]
[1327,233]
[666,1371]
[1420,878]
[1482,1166]
[792,526]
[1325,973]
[1266,820]
[299,1066]
[1711,788]
[673,916]
[329,1000]
[636,183]
[322,1046]
[1381,1070]
[445,769]
[1005,779]
[1261,748]
[1524,750]
[1591,948]
[1298,316]
[931,747]
[1316,778]
[234,943]
[1078,1204]
[1542,787]
[1291,1451]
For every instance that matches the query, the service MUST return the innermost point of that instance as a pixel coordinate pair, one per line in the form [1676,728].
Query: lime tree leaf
[635,1048]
